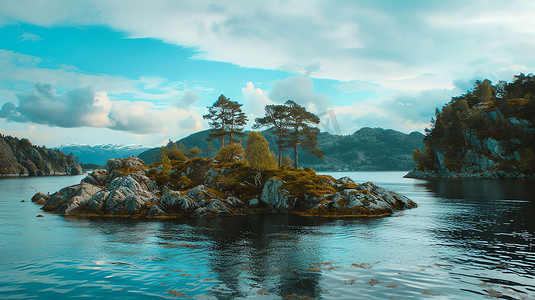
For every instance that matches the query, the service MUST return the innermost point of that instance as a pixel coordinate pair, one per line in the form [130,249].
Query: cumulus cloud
[7,110]
[82,107]
[255,101]
[301,90]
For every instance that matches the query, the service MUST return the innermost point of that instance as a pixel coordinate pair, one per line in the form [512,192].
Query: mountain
[20,157]
[368,149]
[488,132]
[99,154]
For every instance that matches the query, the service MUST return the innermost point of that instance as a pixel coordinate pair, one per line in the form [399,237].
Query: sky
[143,72]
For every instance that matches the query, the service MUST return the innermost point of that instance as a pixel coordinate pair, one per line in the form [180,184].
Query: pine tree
[276,118]
[302,134]
[226,118]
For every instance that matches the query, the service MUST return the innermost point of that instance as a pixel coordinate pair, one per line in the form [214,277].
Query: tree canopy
[257,152]
[226,119]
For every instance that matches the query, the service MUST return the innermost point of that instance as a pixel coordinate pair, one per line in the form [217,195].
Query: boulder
[274,197]
[97,177]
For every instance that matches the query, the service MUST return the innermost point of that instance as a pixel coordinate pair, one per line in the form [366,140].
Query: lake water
[468,239]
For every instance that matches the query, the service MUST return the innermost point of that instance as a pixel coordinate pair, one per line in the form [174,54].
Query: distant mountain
[20,157]
[99,154]
[368,149]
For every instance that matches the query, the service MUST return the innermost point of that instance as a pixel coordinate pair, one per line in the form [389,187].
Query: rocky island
[207,187]
[18,157]
[489,132]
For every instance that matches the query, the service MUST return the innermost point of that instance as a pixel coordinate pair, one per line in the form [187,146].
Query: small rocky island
[208,187]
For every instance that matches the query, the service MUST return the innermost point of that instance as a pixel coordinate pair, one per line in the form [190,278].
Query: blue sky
[141,72]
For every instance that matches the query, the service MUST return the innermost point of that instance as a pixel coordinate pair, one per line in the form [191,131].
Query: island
[489,132]
[19,157]
[207,187]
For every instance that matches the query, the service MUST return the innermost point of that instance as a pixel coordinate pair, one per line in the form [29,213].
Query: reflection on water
[467,239]
[480,189]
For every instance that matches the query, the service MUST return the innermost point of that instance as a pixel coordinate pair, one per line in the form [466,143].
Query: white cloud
[301,90]
[255,101]
[29,37]
[391,44]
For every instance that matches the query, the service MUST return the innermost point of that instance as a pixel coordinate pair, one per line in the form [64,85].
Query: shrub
[257,152]
[229,153]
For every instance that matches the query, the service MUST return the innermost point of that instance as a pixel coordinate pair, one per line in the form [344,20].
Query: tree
[276,118]
[166,165]
[257,152]
[226,118]
[209,147]
[302,134]
[193,152]
[229,153]
[172,152]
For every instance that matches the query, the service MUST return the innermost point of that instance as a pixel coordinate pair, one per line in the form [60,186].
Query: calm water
[468,239]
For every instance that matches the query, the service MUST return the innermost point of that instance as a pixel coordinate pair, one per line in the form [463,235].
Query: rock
[8,161]
[97,177]
[22,200]
[40,198]
[76,202]
[39,216]
[155,211]
[345,180]
[174,202]
[274,197]
[253,202]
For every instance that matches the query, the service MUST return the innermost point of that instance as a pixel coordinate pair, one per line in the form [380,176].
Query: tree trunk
[230,140]
[280,150]
[295,156]
[222,141]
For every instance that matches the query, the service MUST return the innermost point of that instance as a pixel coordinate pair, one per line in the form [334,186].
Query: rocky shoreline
[127,190]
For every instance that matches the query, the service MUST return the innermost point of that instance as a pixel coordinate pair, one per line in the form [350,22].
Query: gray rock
[175,202]
[155,211]
[253,202]
[275,197]
[345,180]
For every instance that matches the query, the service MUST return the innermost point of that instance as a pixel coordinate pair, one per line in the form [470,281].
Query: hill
[486,133]
[19,157]
[99,154]
[368,149]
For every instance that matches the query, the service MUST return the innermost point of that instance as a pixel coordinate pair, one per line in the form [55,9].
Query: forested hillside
[365,150]
[20,157]
[487,132]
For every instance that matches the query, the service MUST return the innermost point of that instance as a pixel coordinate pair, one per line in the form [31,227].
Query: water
[468,239]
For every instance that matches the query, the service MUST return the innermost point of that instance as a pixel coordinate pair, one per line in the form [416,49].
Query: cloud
[189,98]
[382,43]
[24,69]
[255,101]
[190,123]
[7,110]
[82,107]
[29,37]
[301,90]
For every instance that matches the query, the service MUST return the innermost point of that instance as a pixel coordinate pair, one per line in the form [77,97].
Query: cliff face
[487,133]
[18,157]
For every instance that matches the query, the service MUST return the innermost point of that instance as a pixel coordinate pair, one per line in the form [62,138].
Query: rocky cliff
[18,157]
[488,132]
[202,187]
